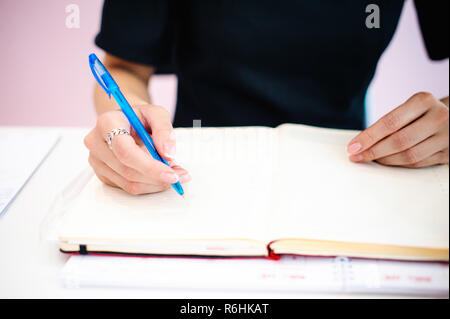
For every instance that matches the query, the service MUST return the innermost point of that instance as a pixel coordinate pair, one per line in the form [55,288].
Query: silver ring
[115,132]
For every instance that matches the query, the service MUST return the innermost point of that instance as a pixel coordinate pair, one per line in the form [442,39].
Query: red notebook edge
[83,252]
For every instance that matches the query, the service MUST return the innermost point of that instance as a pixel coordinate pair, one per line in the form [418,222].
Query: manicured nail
[355,147]
[356,158]
[172,162]
[185,178]
[169,149]
[169,177]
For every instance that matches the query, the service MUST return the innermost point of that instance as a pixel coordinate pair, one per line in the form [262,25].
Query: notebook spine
[271,254]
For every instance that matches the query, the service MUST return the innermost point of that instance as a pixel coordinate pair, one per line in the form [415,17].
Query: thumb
[162,131]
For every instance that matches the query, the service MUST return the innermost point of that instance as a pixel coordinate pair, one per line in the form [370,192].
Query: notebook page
[322,195]
[227,197]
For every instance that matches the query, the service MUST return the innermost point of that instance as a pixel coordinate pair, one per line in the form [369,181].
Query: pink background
[45,78]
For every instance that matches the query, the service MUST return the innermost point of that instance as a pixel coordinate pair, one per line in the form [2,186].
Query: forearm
[132,80]
[445,100]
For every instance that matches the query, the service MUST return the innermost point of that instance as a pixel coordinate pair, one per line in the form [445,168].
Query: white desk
[30,266]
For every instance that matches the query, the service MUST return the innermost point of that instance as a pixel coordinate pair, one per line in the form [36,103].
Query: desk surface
[30,266]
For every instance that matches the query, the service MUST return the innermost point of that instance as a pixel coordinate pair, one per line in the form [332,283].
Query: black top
[264,62]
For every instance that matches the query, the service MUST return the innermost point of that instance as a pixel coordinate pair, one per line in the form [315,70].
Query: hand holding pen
[135,165]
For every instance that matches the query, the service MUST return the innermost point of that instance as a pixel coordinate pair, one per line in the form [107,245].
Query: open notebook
[262,192]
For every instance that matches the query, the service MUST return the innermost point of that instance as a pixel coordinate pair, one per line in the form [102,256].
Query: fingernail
[169,177]
[172,162]
[169,149]
[185,178]
[356,158]
[355,147]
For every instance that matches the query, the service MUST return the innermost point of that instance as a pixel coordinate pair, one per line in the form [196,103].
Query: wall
[405,69]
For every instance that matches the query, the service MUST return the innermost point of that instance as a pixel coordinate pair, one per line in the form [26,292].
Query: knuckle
[102,119]
[159,108]
[382,161]
[122,152]
[159,112]
[104,180]
[163,187]
[368,136]
[91,161]
[415,165]
[443,156]
[88,141]
[401,140]
[423,97]
[442,114]
[97,173]
[132,188]
[370,155]
[165,132]
[127,173]
[391,121]
[411,156]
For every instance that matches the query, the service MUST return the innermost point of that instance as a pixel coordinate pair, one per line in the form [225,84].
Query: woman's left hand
[415,134]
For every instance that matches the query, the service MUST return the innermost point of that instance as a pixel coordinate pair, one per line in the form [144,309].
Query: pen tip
[182,196]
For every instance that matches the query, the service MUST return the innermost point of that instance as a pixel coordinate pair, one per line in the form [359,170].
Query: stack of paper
[290,273]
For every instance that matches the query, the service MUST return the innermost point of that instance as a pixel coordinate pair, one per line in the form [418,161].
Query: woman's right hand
[129,165]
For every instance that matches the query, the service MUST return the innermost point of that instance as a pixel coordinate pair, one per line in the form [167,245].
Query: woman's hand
[128,164]
[415,134]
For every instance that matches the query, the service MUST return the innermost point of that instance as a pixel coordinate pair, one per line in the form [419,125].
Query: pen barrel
[137,125]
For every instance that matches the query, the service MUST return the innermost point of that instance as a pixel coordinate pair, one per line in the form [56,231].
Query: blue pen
[111,88]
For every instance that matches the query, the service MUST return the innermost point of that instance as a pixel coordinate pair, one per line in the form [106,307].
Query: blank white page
[322,195]
[227,198]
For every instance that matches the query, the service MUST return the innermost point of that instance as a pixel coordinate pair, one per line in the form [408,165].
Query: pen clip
[94,63]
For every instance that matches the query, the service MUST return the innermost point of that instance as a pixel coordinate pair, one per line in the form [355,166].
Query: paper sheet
[291,273]
[23,150]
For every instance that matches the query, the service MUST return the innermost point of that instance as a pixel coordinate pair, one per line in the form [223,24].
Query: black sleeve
[139,31]
[433,20]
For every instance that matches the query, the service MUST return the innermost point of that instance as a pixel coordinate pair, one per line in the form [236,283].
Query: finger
[395,120]
[183,174]
[129,173]
[185,178]
[102,152]
[162,131]
[106,181]
[416,153]
[436,159]
[135,188]
[131,155]
[402,140]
